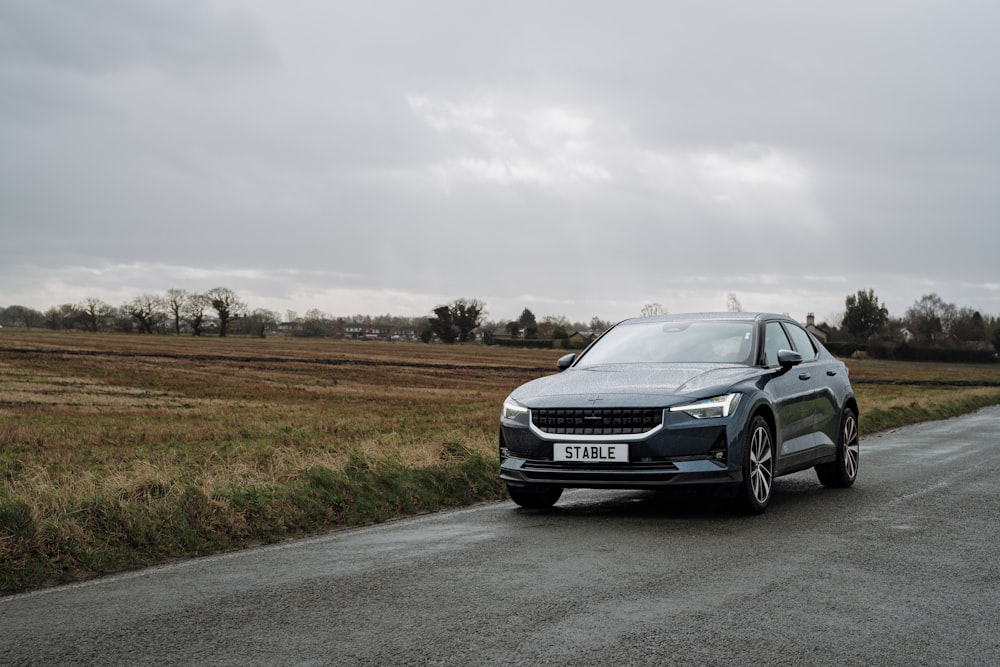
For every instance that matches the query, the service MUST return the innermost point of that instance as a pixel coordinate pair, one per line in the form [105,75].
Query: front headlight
[514,411]
[717,406]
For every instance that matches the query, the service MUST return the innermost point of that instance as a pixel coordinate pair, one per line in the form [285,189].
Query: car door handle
[804,376]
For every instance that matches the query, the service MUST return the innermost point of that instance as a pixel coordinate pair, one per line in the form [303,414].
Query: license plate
[581,453]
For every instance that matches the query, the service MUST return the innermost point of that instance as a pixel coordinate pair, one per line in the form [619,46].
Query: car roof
[692,317]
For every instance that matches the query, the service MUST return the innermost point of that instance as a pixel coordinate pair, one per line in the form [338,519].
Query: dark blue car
[727,401]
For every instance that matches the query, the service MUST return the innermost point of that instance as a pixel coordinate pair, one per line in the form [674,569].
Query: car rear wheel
[842,472]
[754,493]
[534,497]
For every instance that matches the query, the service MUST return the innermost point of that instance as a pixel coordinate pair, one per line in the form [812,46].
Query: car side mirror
[565,361]
[788,358]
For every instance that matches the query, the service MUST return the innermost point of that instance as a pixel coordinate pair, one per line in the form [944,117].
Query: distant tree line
[929,324]
[220,311]
[929,329]
[177,311]
[459,320]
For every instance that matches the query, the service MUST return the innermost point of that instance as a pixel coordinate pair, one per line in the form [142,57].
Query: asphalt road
[902,569]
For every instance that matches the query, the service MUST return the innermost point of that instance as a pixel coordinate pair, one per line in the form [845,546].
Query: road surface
[902,569]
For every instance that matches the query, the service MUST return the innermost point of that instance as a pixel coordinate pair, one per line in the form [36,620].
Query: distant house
[811,328]
[362,331]
[578,338]
[377,332]
[951,340]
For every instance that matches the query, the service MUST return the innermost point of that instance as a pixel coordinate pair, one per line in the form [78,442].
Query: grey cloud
[101,36]
[571,152]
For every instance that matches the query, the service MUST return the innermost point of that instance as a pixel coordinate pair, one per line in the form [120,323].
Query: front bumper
[519,472]
[682,452]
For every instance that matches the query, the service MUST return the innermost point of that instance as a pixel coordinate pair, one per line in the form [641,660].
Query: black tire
[754,492]
[841,473]
[534,497]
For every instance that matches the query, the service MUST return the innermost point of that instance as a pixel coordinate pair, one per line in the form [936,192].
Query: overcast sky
[576,158]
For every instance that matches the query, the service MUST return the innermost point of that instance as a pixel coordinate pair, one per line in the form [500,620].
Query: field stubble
[121,451]
[117,451]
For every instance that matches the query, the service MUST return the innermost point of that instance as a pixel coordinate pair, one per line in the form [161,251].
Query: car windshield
[718,341]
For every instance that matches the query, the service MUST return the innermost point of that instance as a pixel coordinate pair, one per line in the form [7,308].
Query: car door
[823,374]
[791,392]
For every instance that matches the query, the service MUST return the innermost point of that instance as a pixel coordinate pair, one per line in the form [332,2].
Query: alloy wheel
[760,464]
[852,447]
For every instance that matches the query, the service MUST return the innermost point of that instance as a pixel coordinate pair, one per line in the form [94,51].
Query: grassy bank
[123,451]
[893,394]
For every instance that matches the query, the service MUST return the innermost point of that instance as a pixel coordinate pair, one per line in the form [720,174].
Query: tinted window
[774,340]
[803,344]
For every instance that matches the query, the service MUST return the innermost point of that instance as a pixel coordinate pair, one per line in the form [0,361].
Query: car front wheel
[534,497]
[842,472]
[754,493]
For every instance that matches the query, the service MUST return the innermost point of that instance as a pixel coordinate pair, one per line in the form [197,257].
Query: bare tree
[554,326]
[929,317]
[65,316]
[94,313]
[597,325]
[194,312]
[147,309]
[653,309]
[969,325]
[315,324]
[175,302]
[258,322]
[733,304]
[21,316]
[227,306]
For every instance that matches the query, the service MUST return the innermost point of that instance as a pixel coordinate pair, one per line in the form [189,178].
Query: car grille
[597,421]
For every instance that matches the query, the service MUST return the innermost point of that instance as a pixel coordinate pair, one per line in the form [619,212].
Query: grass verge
[174,518]
[916,411]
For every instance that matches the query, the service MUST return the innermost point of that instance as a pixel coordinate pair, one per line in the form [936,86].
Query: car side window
[774,340]
[803,343]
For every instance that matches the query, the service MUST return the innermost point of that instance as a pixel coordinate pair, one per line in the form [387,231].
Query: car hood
[632,385]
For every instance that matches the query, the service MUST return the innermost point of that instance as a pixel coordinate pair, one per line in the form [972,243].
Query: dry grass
[82,413]
[864,370]
[874,397]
